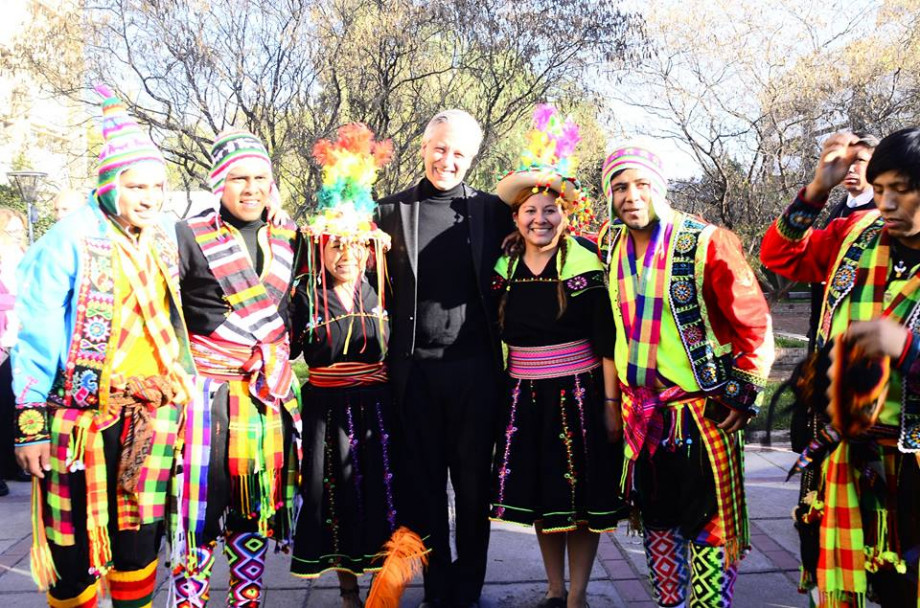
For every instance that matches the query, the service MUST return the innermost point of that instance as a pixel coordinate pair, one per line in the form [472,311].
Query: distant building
[37,131]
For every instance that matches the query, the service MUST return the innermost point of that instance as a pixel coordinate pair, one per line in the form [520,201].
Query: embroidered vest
[84,381]
[582,270]
[710,360]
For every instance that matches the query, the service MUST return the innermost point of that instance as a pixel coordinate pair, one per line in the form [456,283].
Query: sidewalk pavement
[515,579]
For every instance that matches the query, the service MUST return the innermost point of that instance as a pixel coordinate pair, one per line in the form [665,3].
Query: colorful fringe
[711,582]
[133,589]
[726,453]
[193,591]
[841,560]
[246,557]
[88,598]
[669,570]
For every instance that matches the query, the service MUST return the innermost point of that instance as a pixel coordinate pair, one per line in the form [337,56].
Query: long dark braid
[514,250]
[560,264]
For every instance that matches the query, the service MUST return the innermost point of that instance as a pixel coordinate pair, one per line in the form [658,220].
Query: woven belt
[345,374]
[554,361]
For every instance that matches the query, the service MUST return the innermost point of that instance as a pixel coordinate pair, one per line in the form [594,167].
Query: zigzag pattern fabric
[194,591]
[246,557]
[667,554]
[133,589]
[712,584]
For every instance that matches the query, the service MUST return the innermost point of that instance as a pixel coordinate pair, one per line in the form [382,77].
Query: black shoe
[4,489]
[552,602]
[22,476]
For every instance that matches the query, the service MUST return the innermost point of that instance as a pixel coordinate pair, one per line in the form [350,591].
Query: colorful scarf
[254,321]
[841,560]
[642,302]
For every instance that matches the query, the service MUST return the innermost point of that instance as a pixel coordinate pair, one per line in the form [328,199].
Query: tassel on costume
[405,556]
[44,573]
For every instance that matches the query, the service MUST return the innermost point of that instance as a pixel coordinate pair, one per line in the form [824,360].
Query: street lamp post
[27,182]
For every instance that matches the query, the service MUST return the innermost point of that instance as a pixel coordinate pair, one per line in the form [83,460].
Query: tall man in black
[444,355]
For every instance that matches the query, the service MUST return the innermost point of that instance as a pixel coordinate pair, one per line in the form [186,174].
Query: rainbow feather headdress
[548,163]
[345,207]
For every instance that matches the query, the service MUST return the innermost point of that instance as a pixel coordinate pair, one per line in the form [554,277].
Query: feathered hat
[548,163]
[125,145]
[345,207]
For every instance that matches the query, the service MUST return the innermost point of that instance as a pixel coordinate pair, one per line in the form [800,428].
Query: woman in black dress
[556,462]
[340,327]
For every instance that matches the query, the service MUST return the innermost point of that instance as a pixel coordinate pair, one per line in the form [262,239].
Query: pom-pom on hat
[345,207]
[229,148]
[125,145]
[634,155]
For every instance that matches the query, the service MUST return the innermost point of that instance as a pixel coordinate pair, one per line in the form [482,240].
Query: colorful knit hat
[229,148]
[547,163]
[345,207]
[635,156]
[125,145]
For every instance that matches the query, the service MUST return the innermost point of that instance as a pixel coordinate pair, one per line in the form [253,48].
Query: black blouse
[532,306]
[322,339]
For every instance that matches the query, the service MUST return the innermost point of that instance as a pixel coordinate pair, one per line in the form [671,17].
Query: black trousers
[8,467]
[131,549]
[449,414]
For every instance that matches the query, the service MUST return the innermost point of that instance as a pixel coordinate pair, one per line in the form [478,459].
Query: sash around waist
[552,361]
[347,374]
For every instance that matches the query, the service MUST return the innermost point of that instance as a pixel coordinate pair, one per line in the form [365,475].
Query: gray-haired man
[444,355]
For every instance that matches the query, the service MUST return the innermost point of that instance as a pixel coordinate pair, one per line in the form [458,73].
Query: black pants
[8,467]
[131,549]
[449,414]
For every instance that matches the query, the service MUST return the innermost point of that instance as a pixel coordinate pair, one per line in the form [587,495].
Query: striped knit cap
[125,145]
[635,156]
[229,148]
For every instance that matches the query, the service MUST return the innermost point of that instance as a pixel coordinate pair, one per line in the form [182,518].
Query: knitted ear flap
[858,387]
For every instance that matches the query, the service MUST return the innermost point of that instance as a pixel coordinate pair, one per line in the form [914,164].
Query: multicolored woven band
[634,156]
[347,374]
[230,148]
[554,361]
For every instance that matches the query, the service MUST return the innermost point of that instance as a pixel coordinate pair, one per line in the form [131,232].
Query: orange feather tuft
[405,556]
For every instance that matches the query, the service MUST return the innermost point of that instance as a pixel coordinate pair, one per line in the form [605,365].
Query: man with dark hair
[863,512]
[444,353]
[236,476]
[693,350]
[101,372]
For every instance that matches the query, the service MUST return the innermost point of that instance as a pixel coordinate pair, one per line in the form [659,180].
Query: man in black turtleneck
[444,354]
[236,272]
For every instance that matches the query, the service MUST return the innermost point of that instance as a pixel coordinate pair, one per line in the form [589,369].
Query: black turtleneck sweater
[451,321]
[203,302]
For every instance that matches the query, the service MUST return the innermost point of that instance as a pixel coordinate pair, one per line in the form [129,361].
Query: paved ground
[515,576]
